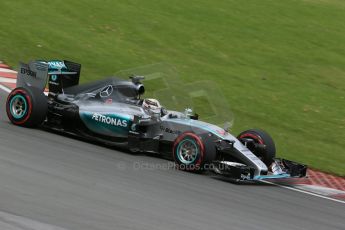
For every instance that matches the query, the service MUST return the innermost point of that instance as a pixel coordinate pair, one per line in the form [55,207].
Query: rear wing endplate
[34,74]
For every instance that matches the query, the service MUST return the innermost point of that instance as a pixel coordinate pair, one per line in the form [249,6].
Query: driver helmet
[151,104]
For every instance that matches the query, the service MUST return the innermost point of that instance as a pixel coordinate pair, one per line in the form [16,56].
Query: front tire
[189,152]
[26,107]
[262,139]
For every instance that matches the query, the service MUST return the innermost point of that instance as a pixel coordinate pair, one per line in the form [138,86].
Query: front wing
[279,169]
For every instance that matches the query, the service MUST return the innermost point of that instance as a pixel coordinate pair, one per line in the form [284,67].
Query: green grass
[281,64]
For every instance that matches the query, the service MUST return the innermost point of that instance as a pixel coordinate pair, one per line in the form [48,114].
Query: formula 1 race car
[113,111]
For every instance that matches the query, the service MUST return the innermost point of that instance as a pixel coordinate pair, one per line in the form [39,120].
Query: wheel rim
[187,151]
[18,106]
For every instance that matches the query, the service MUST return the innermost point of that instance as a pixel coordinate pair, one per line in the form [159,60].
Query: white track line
[7,70]
[267,182]
[8,80]
[305,192]
[4,88]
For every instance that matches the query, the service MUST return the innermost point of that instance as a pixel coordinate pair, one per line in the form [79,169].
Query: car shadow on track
[209,174]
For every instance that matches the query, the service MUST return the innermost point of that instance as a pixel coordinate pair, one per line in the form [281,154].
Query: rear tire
[26,106]
[259,136]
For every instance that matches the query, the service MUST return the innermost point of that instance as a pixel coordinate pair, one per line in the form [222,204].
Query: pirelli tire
[26,106]
[192,152]
[261,137]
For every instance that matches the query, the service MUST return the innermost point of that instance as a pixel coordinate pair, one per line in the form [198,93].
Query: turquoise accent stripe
[94,122]
[263,177]
[191,123]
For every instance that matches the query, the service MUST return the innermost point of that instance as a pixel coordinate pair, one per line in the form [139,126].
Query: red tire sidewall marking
[199,142]
[28,101]
[253,136]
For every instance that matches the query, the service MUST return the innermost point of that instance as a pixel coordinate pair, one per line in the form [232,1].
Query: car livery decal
[56,65]
[109,120]
[106,124]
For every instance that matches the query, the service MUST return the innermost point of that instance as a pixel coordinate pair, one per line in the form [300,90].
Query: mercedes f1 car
[113,111]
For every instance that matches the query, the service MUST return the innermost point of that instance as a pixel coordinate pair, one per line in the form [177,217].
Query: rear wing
[58,74]
[62,74]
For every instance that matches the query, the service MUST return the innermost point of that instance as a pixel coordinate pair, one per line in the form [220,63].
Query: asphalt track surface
[48,181]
